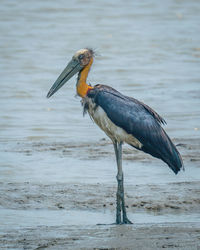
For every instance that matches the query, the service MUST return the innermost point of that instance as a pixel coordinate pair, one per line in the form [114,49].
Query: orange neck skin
[82,87]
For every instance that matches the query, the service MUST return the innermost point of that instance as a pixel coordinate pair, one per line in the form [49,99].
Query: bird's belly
[113,131]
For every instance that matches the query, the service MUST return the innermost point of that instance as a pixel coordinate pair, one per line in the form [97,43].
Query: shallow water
[150,51]
[17,219]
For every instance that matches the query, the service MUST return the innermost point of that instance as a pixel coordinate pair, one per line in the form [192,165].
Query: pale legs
[121,217]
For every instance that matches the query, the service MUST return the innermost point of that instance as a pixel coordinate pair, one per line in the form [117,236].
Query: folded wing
[139,120]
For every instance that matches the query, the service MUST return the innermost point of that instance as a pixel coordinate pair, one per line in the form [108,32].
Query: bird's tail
[167,152]
[173,157]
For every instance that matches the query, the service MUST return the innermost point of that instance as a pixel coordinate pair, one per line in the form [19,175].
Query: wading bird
[123,119]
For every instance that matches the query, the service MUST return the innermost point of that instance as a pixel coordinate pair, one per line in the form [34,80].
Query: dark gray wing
[139,120]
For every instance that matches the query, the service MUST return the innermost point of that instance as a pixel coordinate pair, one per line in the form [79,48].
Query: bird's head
[79,61]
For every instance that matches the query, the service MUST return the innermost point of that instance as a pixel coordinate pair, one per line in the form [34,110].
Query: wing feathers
[140,120]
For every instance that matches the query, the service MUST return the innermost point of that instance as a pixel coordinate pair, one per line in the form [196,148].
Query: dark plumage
[139,120]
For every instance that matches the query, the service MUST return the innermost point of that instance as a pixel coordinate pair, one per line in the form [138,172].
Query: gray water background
[149,50]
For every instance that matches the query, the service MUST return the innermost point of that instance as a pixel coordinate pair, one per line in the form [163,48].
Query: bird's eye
[81,56]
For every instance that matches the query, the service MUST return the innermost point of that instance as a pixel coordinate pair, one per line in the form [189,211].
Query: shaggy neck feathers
[82,87]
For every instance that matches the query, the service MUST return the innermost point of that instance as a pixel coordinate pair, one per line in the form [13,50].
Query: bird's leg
[118,212]
[118,199]
[120,189]
[125,218]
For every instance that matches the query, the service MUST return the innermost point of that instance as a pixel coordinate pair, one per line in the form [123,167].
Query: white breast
[114,132]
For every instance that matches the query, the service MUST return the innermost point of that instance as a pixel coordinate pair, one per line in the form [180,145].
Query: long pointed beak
[72,68]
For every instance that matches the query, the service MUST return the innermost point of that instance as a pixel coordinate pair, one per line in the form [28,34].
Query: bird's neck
[82,87]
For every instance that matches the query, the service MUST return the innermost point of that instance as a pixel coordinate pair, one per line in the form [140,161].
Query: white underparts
[113,131]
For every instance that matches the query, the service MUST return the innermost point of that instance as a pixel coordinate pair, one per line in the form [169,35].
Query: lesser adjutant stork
[122,118]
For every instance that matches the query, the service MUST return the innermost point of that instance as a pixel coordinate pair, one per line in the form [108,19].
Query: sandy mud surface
[141,236]
[78,213]
[63,216]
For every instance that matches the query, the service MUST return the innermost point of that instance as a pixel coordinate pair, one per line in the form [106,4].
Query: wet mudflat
[141,236]
[75,208]
[57,169]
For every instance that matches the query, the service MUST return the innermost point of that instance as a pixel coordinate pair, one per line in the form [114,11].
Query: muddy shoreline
[45,213]
[163,198]
[74,234]
[140,236]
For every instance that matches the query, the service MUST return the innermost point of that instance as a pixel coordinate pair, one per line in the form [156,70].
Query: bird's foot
[123,223]
[127,221]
